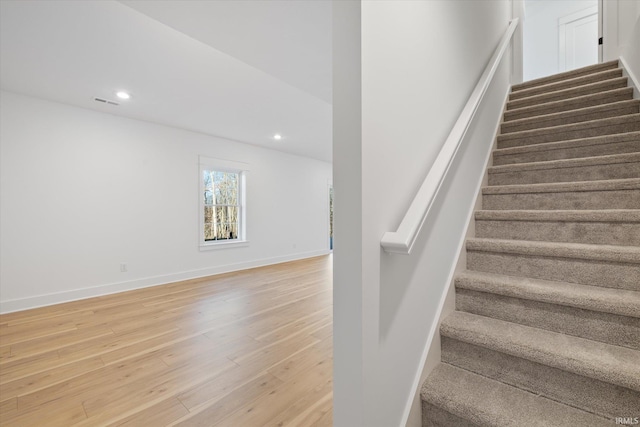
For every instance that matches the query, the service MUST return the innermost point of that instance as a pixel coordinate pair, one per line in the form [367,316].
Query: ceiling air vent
[106,101]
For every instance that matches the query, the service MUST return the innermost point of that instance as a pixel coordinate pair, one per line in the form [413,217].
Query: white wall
[348,294]
[630,54]
[541,38]
[517,47]
[419,64]
[82,192]
[619,20]
[628,13]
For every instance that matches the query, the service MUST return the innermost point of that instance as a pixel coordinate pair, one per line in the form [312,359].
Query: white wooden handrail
[401,241]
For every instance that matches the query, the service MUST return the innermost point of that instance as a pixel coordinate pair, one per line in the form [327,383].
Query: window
[221,205]
[222,221]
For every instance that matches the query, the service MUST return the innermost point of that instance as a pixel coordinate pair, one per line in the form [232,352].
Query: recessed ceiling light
[277,137]
[123,95]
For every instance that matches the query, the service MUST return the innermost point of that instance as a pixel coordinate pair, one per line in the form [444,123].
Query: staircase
[546,330]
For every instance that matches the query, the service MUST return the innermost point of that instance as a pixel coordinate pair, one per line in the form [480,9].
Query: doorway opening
[560,35]
[577,35]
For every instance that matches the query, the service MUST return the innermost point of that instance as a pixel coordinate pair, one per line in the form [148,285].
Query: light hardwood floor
[251,348]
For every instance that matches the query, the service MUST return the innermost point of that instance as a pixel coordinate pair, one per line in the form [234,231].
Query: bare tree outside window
[221,205]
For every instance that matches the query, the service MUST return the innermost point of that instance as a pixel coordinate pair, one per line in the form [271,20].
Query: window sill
[223,245]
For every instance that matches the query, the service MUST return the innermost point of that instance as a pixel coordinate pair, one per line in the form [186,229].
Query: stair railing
[402,240]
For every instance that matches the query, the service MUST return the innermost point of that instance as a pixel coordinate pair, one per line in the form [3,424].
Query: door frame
[562,37]
[600,31]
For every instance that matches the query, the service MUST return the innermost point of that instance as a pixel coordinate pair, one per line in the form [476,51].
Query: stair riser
[572,270]
[597,233]
[567,94]
[535,123]
[570,104]
[604,327]
[582,173]
[433,416]
[508,141]
[487,402]
[565,84]
[566,75]
[568,153]
[604,399]
[615,199]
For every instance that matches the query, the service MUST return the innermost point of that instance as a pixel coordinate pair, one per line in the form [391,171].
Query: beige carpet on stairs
[546,330]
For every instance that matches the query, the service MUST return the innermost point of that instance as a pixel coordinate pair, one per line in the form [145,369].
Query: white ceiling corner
[242,70]
[291,40]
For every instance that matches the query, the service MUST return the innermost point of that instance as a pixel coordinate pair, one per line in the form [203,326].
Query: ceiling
[242,70]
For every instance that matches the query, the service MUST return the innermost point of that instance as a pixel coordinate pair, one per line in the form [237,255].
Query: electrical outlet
[123,267]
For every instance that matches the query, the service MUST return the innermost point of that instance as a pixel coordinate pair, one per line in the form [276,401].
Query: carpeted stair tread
[486,402]
[594,298]
[572,92]
[608,363]
[608,266]
[580,310]
[578,115]
[592,100]
[605,253]
[600,194]
[607,126]
[593,396]
[614,166]
[566,83]
[576,148]
[565,187]
[569,163]
[566,75]
[596,215]
[607,226]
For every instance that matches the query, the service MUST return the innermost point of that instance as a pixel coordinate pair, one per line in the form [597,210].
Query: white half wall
[619,21]
[82,192]
[347,216]
[419,63]
[630,57]
[517,46]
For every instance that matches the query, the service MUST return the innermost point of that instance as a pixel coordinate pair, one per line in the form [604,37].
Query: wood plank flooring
[250,348]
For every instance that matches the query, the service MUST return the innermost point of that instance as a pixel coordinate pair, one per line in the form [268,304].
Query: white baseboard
[112,288]
[633,79]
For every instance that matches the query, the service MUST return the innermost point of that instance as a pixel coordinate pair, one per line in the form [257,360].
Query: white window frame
[208,163]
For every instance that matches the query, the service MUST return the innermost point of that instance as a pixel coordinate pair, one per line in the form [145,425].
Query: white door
[578,39]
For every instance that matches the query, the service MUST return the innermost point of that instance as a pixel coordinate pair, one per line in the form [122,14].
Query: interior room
[311,213]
